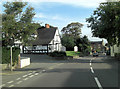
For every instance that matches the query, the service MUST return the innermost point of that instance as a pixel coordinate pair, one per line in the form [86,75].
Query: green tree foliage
[72,29]
[17,23]
[83,44]
[70,34]
[71,37]
[68,42]
[105,22]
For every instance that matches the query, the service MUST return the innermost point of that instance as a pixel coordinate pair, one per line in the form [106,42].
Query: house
[115,50]
[47,40]
[97,46]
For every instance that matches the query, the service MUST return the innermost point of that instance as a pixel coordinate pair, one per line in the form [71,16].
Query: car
[95,54]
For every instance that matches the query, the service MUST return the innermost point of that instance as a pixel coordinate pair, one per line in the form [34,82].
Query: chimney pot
[47,26]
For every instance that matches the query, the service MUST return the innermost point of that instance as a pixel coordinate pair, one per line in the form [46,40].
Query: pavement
[91,72]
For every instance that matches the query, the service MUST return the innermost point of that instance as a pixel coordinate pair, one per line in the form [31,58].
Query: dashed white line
[33,71]
[25,79]
[10,82]
[29,73]
[18,82]
[91,69]
[36,73]
[2,85]
[18,78]
[90,64]
[98,83]
[11,86]
[25,75]
[90,60]
[31,76]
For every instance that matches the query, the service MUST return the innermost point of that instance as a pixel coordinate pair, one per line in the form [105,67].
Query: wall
[115,49]
[25,61]
[56,42]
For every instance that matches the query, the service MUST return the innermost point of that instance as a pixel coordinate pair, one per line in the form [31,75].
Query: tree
[17,24]
[83,44]
[70,34]
[68,42]
[105,21]
[72,29]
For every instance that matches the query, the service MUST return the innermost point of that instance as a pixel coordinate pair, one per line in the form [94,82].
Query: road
[85,72]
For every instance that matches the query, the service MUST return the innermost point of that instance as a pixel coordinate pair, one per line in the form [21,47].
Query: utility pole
[11,59]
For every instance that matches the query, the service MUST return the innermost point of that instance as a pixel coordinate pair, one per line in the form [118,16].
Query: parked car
[95,54]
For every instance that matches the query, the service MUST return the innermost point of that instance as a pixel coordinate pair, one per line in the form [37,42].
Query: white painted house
[48,40]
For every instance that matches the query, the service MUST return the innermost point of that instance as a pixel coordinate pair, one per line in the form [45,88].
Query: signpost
[11,59]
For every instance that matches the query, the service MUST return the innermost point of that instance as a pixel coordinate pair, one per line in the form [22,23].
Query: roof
[45,36]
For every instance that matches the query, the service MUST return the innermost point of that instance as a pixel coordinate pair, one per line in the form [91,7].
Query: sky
[60,13]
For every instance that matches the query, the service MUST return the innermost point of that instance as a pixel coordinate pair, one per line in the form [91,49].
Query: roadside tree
[105,22]
[17,23]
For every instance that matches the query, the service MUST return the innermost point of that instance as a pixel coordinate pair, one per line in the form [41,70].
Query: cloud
[40,15]
[83,3]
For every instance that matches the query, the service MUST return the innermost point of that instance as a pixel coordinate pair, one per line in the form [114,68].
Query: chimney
[47,26]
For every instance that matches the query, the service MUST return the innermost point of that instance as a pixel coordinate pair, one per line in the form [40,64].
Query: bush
[6,54]
[58,54]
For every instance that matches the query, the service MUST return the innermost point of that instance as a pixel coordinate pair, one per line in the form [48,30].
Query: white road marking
[91,69]
[11,86]
[2,85]
[43,70]
[18,82]
[25,79]
[18,78]
[98,83]
[31,76]
[29,73]
[36,73]
[10,82]
[90,64]
[33,71]
[25,75]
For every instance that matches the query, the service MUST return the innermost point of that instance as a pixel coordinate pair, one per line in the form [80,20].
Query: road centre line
[10,82]
[90,64]
[98,83]
[92,70]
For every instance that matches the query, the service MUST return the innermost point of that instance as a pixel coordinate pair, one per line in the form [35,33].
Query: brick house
[97,46]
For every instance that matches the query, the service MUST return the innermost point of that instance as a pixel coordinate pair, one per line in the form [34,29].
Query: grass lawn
[72,53]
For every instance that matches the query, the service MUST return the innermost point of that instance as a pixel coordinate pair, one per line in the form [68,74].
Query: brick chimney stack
[47,26]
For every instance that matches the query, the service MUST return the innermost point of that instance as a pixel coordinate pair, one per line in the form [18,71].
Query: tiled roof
[45,36]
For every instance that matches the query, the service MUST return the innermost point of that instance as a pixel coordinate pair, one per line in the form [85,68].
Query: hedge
[6,55]
[58,54]
[117,55]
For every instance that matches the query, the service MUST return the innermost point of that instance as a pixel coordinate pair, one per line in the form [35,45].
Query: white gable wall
[56,42]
